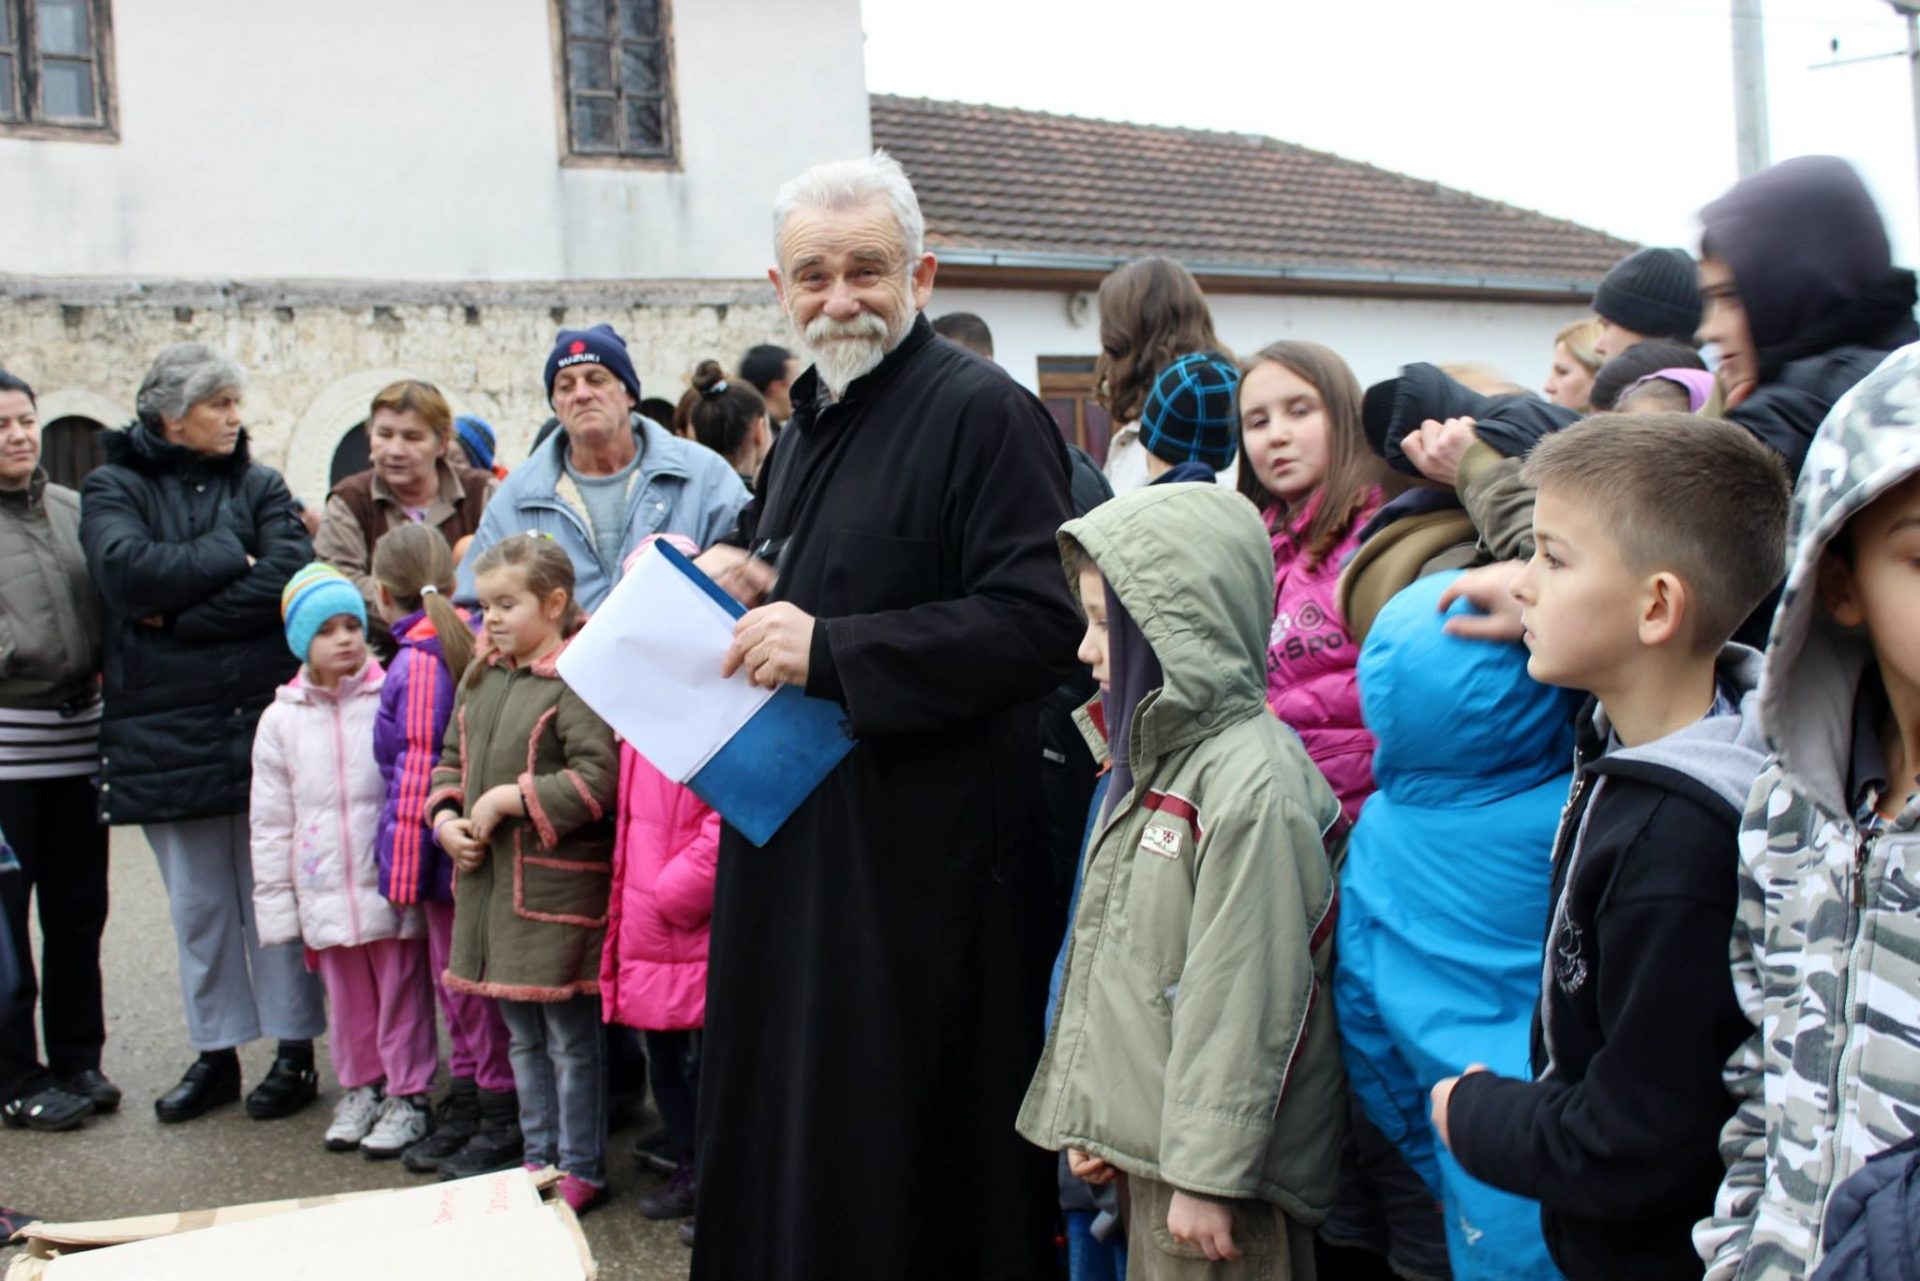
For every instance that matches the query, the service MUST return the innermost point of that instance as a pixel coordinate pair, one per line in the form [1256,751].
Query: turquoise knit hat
[312,596]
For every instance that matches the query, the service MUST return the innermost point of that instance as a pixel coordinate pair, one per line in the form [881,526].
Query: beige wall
[317,354]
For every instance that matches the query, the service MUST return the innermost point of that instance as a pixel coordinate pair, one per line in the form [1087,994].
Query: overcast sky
[1615,113]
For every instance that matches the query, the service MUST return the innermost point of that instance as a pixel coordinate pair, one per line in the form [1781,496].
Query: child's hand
[1089,1169]
[1443,1095]
[495,803]
[1205,1225]
[456,837]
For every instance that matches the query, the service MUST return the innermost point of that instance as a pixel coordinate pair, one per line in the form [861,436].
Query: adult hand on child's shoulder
[1203,1223]
[1488,589]
[1443,1095]
[1089,1169]
[1437,448]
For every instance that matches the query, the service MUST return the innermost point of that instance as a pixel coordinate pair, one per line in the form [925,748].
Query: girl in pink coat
[1307,467]
[316,801]
[653,971]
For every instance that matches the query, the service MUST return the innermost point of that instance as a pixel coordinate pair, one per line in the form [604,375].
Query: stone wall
[317,352]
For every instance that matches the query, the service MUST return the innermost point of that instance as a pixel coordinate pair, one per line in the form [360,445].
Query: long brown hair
[410,395]
[407,561]
[544,567]
[1151,313]
[1352,470]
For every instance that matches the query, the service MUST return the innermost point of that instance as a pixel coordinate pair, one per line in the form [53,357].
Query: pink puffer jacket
[1311,683]
[653,971]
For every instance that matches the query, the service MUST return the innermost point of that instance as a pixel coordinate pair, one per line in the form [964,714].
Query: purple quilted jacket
[415,705]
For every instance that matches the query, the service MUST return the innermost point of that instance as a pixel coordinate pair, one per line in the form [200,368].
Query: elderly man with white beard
[879,969]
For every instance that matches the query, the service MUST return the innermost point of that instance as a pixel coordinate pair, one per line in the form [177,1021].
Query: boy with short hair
[1827,941]
[1193,1049]
[1654,535]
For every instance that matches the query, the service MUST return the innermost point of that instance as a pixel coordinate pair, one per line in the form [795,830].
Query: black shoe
[686,1233]
[290,1085]
[93,1084]
[496,1146]
[457,1122]
[48,1110]
[208,1083]
[654,1151]
[674,1201]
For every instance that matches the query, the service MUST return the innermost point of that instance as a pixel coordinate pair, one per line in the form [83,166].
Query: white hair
[850,184]
[182,376]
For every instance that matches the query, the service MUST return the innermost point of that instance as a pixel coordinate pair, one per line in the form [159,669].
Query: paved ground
[128,1163]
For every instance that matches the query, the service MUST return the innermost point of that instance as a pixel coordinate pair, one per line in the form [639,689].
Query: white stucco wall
[416,140]
[1376,336]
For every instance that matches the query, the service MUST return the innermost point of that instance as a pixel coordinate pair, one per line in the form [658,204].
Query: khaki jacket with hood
[1826,944]
[1194,1041]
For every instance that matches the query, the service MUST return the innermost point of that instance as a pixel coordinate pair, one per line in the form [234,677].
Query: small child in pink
[317,796]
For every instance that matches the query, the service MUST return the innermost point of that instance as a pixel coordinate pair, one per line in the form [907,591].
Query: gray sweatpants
[236,991]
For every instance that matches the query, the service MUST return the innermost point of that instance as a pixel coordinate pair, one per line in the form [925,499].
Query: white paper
[648,662]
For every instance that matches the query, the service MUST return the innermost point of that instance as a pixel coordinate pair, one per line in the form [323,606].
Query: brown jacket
[529,922]
[361,509]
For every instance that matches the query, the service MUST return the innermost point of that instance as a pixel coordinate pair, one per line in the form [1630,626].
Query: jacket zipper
[346,825]
[1843,1003]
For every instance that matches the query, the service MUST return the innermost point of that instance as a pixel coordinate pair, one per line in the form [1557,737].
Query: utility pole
[1750,87]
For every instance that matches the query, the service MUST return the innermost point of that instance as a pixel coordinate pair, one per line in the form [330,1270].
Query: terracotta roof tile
[994,178]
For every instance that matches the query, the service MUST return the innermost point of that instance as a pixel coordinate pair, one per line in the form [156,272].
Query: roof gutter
[1287,279]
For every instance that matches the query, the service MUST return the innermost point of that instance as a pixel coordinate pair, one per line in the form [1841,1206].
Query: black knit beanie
[1654,292]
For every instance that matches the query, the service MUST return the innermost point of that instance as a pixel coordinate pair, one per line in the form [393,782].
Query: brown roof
[1035,188]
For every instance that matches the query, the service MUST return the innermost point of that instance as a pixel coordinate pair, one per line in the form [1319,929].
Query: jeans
[1088,1257]
[559,1057]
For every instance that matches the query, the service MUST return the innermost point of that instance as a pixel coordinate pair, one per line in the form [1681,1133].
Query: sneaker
[353,1118]
[675,1200]
[654,1151]
[404,1120]
[580,1195]
[457,1121]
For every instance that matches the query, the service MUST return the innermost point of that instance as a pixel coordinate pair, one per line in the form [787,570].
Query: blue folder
[759,777]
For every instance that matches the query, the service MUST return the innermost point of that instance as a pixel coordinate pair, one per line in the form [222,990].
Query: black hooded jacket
[1824,302]
[194,646]
[1512,423]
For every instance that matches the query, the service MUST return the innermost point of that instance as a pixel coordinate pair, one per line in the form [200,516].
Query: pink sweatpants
[474,1027]
[381,1020]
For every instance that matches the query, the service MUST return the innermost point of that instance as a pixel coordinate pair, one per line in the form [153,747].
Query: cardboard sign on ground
[493,1226]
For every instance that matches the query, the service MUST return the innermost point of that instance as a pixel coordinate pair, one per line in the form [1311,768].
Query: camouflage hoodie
[1826,947]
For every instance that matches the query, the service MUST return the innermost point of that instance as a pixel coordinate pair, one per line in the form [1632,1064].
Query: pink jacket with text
[316,802]
[1311,658]
[653,972]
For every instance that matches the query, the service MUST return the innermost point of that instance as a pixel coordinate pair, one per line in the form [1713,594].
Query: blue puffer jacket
[1444,897]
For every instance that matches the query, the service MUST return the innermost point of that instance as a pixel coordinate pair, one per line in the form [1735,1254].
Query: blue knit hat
[1189,415]
[599,345]
[476,436]
[314,594]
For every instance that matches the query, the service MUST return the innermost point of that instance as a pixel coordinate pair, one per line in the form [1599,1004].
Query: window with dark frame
[617,79]
[56,69]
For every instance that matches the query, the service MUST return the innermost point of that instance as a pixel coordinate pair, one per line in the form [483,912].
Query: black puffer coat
[167,533]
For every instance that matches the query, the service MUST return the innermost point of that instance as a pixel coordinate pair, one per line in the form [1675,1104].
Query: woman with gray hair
[190,543]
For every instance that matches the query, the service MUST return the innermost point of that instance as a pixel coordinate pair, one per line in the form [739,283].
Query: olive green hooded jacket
[1194,1040]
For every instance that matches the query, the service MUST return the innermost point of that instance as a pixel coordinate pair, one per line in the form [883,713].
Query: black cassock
[876,993]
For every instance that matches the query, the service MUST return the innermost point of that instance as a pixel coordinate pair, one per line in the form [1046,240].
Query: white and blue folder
[648,662]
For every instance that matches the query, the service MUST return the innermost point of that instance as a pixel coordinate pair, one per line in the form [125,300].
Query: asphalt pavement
[128,1163]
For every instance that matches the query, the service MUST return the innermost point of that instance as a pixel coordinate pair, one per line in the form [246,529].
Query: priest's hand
[742,575]
[773,643]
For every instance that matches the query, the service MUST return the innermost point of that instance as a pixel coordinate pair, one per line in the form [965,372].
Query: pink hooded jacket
[1311,658]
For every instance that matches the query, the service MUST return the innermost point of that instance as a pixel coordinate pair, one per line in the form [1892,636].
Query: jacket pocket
[1157,896]
[559,891]
[867,573]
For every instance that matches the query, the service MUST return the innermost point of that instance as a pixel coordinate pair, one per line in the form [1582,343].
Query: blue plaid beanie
[314,594]
[476,437]
[1189,415]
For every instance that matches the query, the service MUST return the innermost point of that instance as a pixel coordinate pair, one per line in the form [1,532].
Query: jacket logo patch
[1163,841]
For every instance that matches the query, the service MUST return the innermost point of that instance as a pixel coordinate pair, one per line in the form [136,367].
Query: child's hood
[1723,754]
[1868,444]
[301,692]
[1193,565]
[1458,721]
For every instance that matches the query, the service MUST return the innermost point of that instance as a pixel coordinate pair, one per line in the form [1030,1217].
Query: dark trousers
[63,860]
[673,1066]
